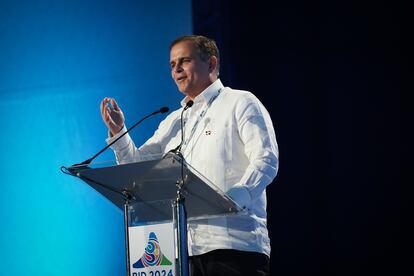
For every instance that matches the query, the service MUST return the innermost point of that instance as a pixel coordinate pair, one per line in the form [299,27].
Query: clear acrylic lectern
[162,189]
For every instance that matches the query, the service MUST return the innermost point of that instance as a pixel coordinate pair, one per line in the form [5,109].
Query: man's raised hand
[113,117]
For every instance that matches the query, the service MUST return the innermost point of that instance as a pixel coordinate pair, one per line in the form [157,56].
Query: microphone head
[164,109]
[189,103]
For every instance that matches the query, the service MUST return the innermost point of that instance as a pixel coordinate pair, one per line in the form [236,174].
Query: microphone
[187,106]
[84,164]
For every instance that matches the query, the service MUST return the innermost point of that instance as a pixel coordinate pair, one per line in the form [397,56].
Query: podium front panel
[152,249]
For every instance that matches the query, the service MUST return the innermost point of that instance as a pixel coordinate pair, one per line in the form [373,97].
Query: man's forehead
[184,48]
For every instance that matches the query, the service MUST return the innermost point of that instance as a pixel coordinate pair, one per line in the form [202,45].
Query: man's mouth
[181,78]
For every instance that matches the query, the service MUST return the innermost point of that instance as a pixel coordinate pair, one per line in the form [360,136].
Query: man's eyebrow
[180,59]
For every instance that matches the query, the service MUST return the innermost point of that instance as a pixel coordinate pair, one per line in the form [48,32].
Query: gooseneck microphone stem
[162,110]
[187,106]
[88,161]
[179,207]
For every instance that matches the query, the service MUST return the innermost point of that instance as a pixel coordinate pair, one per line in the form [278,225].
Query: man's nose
[178,68]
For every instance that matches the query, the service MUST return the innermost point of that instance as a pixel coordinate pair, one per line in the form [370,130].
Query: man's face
[190,73]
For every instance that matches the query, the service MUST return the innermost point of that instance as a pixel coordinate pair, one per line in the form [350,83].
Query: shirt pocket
[217,135]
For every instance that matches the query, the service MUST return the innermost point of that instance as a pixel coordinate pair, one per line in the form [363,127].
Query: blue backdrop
[58,59]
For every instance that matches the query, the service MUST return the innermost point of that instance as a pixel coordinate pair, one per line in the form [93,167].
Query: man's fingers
[108,111]
[111,122]
[111,115]
[102,107]
[106,115]
[104,103]
[113,127]
[114,104]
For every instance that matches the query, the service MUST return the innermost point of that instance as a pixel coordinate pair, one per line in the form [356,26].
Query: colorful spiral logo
[152,255]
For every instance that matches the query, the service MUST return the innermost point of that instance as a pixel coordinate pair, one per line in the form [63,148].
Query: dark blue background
[332,75]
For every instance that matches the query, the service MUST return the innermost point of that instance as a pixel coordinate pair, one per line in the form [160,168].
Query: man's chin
[183,89]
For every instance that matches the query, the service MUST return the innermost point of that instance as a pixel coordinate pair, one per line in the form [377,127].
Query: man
[228,138]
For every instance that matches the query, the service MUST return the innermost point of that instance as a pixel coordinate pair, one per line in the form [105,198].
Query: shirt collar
[205,96]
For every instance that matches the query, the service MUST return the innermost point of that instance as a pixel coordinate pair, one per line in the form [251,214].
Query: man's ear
[213,63]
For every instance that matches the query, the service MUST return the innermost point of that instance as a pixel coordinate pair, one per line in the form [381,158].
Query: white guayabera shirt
[233,144]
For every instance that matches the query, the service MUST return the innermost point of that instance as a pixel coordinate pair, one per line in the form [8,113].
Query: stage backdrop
[58,59]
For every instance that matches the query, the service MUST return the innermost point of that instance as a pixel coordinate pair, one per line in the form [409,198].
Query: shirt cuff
[241,195]
[121,143]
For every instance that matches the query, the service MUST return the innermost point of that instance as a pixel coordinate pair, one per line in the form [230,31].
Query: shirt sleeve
[126,151]
[258,136]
